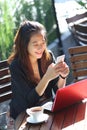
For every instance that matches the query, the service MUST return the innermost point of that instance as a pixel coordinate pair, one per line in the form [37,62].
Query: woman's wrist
[63,77]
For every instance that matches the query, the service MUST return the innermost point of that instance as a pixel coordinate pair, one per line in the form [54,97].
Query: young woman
[34,73]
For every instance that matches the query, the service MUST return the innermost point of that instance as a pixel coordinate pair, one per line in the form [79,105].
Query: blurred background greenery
[83,3]
[13,12]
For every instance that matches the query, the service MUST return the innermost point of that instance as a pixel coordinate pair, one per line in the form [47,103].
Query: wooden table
[72,118]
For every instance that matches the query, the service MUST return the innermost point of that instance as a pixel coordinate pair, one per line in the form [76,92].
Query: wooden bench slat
[5,88]
[5,83]
[4,71]
[3,64]
[5,96]
[5,79]
[80,73]
[78,59]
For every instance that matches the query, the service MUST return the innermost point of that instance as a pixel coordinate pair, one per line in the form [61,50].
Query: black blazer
[24,94]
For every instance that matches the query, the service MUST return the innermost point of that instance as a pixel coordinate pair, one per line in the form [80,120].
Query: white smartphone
[60,58]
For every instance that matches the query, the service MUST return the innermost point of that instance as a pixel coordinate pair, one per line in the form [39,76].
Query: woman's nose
[40,47]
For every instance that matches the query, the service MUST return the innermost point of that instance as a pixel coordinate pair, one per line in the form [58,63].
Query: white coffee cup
[35,112]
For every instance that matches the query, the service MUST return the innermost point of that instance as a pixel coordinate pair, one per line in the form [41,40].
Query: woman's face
[36,46]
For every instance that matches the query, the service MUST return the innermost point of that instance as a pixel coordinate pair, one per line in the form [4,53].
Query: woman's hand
[54,70]
[64,69]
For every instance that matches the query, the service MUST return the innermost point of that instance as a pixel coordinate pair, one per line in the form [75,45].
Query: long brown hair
[21,40]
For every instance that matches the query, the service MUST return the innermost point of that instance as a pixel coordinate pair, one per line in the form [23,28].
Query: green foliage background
[12,13]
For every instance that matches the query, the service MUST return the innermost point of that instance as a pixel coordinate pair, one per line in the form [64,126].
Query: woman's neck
[33,60]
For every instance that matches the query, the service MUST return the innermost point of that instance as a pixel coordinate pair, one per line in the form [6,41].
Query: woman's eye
[35,44]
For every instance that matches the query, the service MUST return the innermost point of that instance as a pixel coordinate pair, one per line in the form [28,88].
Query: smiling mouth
[39,53]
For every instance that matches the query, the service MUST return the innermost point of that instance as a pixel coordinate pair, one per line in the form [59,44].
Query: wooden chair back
[78,18]
[5,81]
[78,59]
[81,33]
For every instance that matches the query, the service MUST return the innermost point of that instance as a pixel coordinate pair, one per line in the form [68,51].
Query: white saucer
[43,118]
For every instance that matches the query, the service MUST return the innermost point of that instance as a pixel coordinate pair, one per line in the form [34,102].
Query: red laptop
[69,95]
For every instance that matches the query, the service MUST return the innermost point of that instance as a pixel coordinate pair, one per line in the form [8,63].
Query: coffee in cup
[35,112]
